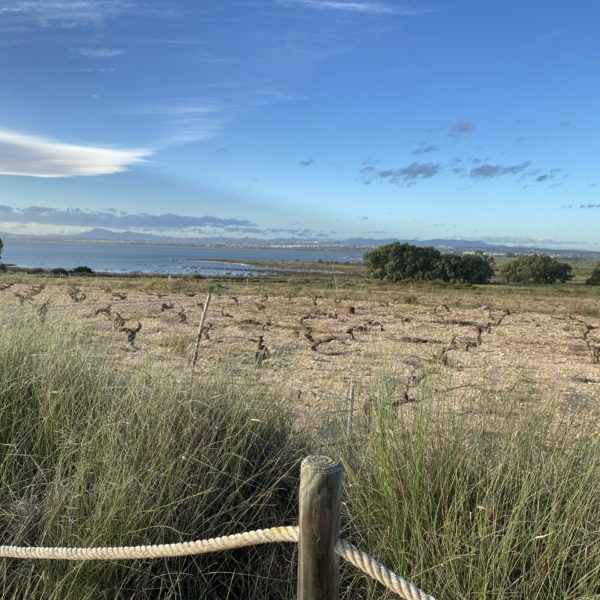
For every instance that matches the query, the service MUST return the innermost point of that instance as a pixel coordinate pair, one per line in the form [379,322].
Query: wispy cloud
[459,129]
[426,149]
[174,107]
[580,206]
[111,218]
[32,156]
[68,14]
[406,176]
[308,162]
[187,120]
[414,172]
[178,42]
[370,8]
[101,52]
[45,219]
[196,129]
[489,171]
[529,241]
[98,70]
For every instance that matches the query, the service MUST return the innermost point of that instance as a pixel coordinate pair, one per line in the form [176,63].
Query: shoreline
[263,270]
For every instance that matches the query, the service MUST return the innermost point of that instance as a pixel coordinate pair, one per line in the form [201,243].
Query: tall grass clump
[93,453]
[481,501]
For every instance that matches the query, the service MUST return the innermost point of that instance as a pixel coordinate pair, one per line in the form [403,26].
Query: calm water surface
[149,258]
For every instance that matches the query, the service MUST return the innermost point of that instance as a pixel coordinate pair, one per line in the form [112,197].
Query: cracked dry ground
[311,347]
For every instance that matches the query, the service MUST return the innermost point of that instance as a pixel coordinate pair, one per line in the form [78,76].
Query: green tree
[470,268]
[394,262]
[595,278]
[537,268]
[82,271]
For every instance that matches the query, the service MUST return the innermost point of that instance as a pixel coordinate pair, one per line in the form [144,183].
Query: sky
[308,119]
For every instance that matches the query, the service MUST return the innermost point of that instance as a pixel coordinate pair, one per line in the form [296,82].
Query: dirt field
[466,344]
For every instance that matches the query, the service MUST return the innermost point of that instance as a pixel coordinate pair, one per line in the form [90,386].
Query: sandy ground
[314,347]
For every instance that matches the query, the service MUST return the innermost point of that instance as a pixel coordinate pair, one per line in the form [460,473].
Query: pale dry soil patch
[313,348]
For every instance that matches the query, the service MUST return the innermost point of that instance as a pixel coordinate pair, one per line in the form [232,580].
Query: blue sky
[302,118]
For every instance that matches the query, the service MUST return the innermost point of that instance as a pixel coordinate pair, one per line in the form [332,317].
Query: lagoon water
[159,258]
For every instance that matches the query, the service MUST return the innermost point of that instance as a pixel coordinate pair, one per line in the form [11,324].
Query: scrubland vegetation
[490,504]
[492,498]
[96,455]
[594,278]
[397,262]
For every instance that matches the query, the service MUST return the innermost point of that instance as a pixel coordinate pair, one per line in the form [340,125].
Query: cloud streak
[188,120]
[369,8]
[426,149]
[101,52]
[405,176]
[36,219]
[32,156]
[414,172]
[580,206]
[460,129]
[68,14]
[489,171]
[112,219]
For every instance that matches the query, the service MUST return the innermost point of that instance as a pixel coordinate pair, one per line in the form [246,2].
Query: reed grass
[92,455]
[478,501]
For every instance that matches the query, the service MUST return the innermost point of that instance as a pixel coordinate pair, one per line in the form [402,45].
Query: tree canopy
[536,268]
[396,261]
[469,268]
[595,278]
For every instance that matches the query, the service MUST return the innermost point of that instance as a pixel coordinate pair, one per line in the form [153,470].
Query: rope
[347,551]
[363,562]
[218,544]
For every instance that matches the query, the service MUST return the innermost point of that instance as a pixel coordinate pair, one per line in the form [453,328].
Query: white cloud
[101,52]
[187,120]
[32,156]
[68,14]
[372,8]
[174,107]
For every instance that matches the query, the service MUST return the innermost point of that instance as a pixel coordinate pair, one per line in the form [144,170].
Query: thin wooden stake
[199,334]
[351,409]
[319,524]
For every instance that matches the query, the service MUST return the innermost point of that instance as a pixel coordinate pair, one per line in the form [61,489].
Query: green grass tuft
[93,455]
[479,503]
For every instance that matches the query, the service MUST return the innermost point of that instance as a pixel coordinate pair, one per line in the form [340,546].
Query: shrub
[395,262]
[469,268]
[537,268]
[81,270]
[595,278]
[399,262]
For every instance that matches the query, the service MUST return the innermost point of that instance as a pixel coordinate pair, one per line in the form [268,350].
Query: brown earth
[453,343]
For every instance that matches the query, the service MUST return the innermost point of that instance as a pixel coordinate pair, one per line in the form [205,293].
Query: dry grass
[488,397]
[460,339]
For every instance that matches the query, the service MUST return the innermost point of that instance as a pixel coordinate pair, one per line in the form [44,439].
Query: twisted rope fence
[341,548]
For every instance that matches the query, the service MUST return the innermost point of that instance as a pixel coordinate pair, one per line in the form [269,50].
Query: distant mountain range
[108,235]
[99,234]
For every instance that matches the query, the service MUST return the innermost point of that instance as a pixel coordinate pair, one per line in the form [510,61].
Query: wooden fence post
[319,525]
[199,334]
[350,410]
